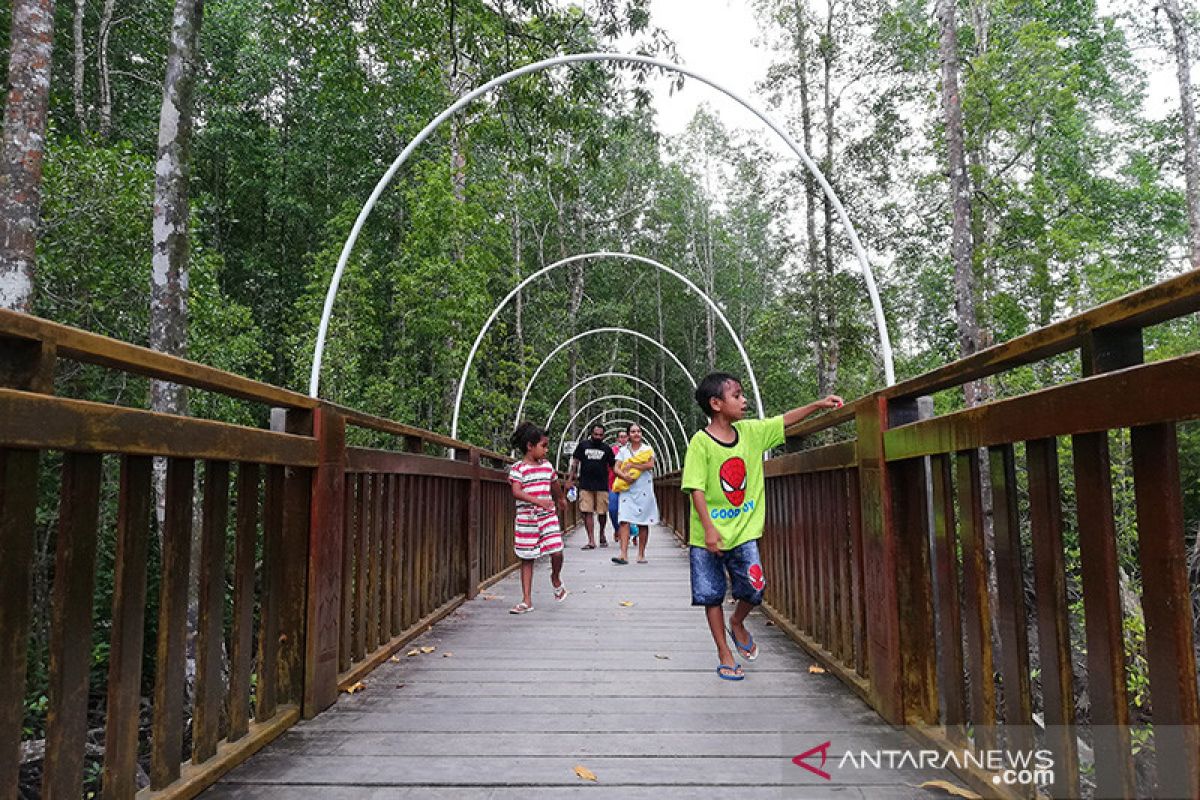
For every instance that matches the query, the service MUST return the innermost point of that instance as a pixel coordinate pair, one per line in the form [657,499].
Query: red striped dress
[537,531]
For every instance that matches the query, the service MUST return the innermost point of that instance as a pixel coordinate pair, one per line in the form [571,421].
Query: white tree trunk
[79,66]
[105,77]
[169,259]
[1191,151]
[24,148]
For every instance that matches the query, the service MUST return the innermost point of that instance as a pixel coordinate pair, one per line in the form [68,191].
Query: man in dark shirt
[592,460]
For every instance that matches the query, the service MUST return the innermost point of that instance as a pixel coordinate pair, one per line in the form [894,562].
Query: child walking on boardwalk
[537,531]
[723,472]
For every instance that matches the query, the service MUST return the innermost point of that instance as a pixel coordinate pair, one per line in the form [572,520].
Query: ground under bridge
[322,563]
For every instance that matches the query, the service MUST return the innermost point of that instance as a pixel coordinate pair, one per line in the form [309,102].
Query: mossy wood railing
[876,563]
[333,557]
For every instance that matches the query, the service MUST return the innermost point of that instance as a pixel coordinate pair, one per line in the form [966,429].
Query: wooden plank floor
[507,706]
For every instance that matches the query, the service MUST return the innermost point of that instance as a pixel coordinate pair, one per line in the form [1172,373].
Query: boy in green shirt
[723,472]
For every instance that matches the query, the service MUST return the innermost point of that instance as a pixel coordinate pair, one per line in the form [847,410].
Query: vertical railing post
[29,366]
[879,561]
[325,541]
[295,507]
[474,521]
[896,563]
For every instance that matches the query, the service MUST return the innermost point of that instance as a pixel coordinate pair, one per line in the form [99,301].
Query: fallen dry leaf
[358,687]
[626,603]
[447,655]
[662,656]
[950,788]
[395,659]
[428,649]
[413,652]
[770,624]
[815,670]
[584,773]
[489,597]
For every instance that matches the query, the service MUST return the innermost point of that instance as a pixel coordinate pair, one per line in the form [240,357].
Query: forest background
[1077,196]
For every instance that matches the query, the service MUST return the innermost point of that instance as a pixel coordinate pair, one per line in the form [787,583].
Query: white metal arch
[344,258]
[655,435]
[649,414]
[649,438]
[653,414]
[683,437]
[592,332]
[670,457]
[462,381]
[599,420]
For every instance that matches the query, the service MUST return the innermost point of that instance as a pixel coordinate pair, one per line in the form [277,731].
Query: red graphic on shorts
[757,579]
[733,480]
[823,749]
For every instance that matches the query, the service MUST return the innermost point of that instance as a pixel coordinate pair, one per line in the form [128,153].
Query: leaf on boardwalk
[428,649]
[662,656]
[447,654]
[626,603]
[490,596]
[950,788]
[357,687]
[770,624]
[815,670]
[413,652]
[584,773]
[394,659]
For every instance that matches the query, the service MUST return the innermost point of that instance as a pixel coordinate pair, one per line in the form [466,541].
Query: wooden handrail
[91,348]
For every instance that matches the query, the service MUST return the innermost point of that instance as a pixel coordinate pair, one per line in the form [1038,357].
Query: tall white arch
[650,432]
[592,332]
[669,453]
[462,381]
[652,440]
[650,413]
[625,376]
[344,258]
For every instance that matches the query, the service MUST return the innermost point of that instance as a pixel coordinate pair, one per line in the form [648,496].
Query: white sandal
[561,593]
[520,608]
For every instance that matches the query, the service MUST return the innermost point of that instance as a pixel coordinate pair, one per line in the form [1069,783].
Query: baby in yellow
[723,472]
[633,466]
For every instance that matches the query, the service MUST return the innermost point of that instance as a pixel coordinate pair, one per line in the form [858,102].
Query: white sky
[721,40]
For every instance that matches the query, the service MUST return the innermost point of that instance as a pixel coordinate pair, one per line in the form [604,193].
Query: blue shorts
[743,567]
[614,501]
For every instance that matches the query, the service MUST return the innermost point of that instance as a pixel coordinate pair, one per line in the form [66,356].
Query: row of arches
[587,258]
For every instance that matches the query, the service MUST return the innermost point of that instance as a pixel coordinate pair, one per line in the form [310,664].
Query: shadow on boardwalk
[507,706]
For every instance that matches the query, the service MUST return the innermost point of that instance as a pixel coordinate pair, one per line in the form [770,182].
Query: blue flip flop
[748,651]
[734,677]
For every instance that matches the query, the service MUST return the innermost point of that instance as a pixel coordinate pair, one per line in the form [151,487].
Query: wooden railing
[877,564]
[316,560]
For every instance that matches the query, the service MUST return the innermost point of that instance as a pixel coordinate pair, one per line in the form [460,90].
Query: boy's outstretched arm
[790,418]
[712,537]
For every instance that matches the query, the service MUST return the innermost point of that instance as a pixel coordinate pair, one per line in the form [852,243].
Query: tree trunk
[105,77]
[518,257]
[960,193]
[827,380]
[1191,153]
[79,66]
[169,276]
[24,148]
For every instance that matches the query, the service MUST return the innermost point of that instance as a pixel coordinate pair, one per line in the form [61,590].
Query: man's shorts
[614,506]
[593,502]
[741,564]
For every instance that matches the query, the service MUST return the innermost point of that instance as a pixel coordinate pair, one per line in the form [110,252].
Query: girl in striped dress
[537,531]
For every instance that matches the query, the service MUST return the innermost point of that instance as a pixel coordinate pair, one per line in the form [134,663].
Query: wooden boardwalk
[507,707]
